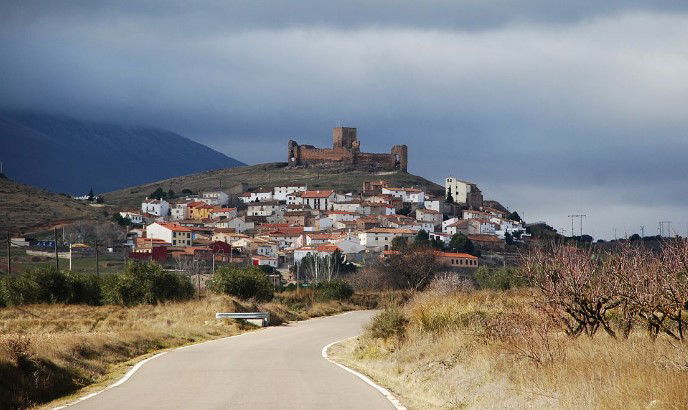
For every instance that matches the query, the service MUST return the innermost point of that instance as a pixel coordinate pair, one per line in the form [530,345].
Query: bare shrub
[526,337]
[586,290]
[447,283]
[575,287]
[16,347]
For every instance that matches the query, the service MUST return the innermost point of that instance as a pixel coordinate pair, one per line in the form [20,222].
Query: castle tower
[344,137]
[400,153]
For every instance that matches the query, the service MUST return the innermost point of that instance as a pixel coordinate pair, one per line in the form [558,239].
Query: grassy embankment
[493,349]
[49,351]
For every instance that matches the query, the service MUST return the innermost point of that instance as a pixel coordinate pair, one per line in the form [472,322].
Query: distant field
[268,175]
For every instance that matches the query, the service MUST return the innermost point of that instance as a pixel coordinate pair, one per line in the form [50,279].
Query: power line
[662,224]
[580,219]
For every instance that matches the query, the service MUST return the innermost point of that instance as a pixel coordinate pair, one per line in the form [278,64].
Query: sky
[552,108]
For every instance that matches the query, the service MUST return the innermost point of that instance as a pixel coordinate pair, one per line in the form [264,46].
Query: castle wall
[325,155]
[346,150]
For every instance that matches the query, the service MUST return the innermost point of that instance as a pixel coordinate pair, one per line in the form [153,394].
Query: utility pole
[9,254]
[57,257]
[662,224]
[580,218]
[97,261]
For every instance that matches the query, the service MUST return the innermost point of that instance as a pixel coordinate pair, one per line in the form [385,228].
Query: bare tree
[413,269]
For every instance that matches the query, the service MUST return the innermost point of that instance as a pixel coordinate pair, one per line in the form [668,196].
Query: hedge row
[138,283]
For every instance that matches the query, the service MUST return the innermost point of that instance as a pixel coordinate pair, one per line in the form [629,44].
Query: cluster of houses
[280,226]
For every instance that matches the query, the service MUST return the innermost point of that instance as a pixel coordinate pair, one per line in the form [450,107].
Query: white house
[294,198]
[319,250]
[259,260]
[463,192]
[157,207]
[412,195]
[433,204]
[382,237]
[448,222]
[224,213]
[174,234]
[215,198]
[180,211]
[429,215]
[239,224]
[352,206]
[318,199]
[133,217]
[259,195]
[266,208]
[280,192]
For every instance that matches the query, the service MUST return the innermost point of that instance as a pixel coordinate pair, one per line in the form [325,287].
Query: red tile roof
[317,194]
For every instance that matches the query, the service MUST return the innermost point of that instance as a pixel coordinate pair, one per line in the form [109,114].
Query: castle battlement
[346,149]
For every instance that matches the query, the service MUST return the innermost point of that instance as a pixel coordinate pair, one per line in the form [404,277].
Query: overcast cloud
[551,108]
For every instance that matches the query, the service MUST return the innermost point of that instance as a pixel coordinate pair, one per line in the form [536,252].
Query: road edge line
[140,363]
[388,395]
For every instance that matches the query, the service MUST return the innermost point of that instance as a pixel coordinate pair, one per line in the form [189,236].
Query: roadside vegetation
[61,331]
[571,328]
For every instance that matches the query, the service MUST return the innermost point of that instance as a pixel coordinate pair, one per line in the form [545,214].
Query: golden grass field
[49,351]
[492,349]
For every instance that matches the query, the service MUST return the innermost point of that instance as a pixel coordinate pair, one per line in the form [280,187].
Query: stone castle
[346,149]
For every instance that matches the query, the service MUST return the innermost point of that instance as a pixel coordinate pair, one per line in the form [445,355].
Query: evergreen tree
[91,196]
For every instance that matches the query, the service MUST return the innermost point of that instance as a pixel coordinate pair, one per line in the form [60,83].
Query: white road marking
[388,395]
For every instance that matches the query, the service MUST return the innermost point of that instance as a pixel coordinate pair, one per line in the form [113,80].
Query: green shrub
[388,323]
[145,283]
[48,285]
[85,288]
[335,289]
[502,278]
[244,283]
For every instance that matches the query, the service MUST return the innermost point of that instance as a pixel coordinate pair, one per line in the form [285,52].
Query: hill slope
[67,155]
[25,208]
[342,178]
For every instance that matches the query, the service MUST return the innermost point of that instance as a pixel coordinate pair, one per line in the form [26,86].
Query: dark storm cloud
[208,16]
[550,106]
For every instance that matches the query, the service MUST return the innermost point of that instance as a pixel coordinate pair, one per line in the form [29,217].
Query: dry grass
[48,351]
[491,349]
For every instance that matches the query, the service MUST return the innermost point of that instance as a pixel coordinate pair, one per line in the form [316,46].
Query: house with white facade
[280,192]
[215,198]
[223,213]
[260,195]
[411,195]
[173,234]
[429,215]
[133,217]
[381,238]
[316,250]
[157,207]
[180,211]
[239,224]
[265,208]
[351,206]
[318,199]
[463,192]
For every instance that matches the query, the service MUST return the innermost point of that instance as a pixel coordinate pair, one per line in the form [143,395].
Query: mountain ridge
[64,154]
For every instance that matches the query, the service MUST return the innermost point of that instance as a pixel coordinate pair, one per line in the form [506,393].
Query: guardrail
[264,317]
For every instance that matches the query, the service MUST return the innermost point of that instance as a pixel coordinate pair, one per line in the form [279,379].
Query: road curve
[276,368]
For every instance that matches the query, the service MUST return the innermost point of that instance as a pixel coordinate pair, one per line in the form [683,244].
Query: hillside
[25,208]
[342,178]
[68,155]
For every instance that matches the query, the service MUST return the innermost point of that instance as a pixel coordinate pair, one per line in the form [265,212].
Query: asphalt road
[275,368]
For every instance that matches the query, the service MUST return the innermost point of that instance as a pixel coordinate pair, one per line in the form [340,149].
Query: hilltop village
[277,227]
